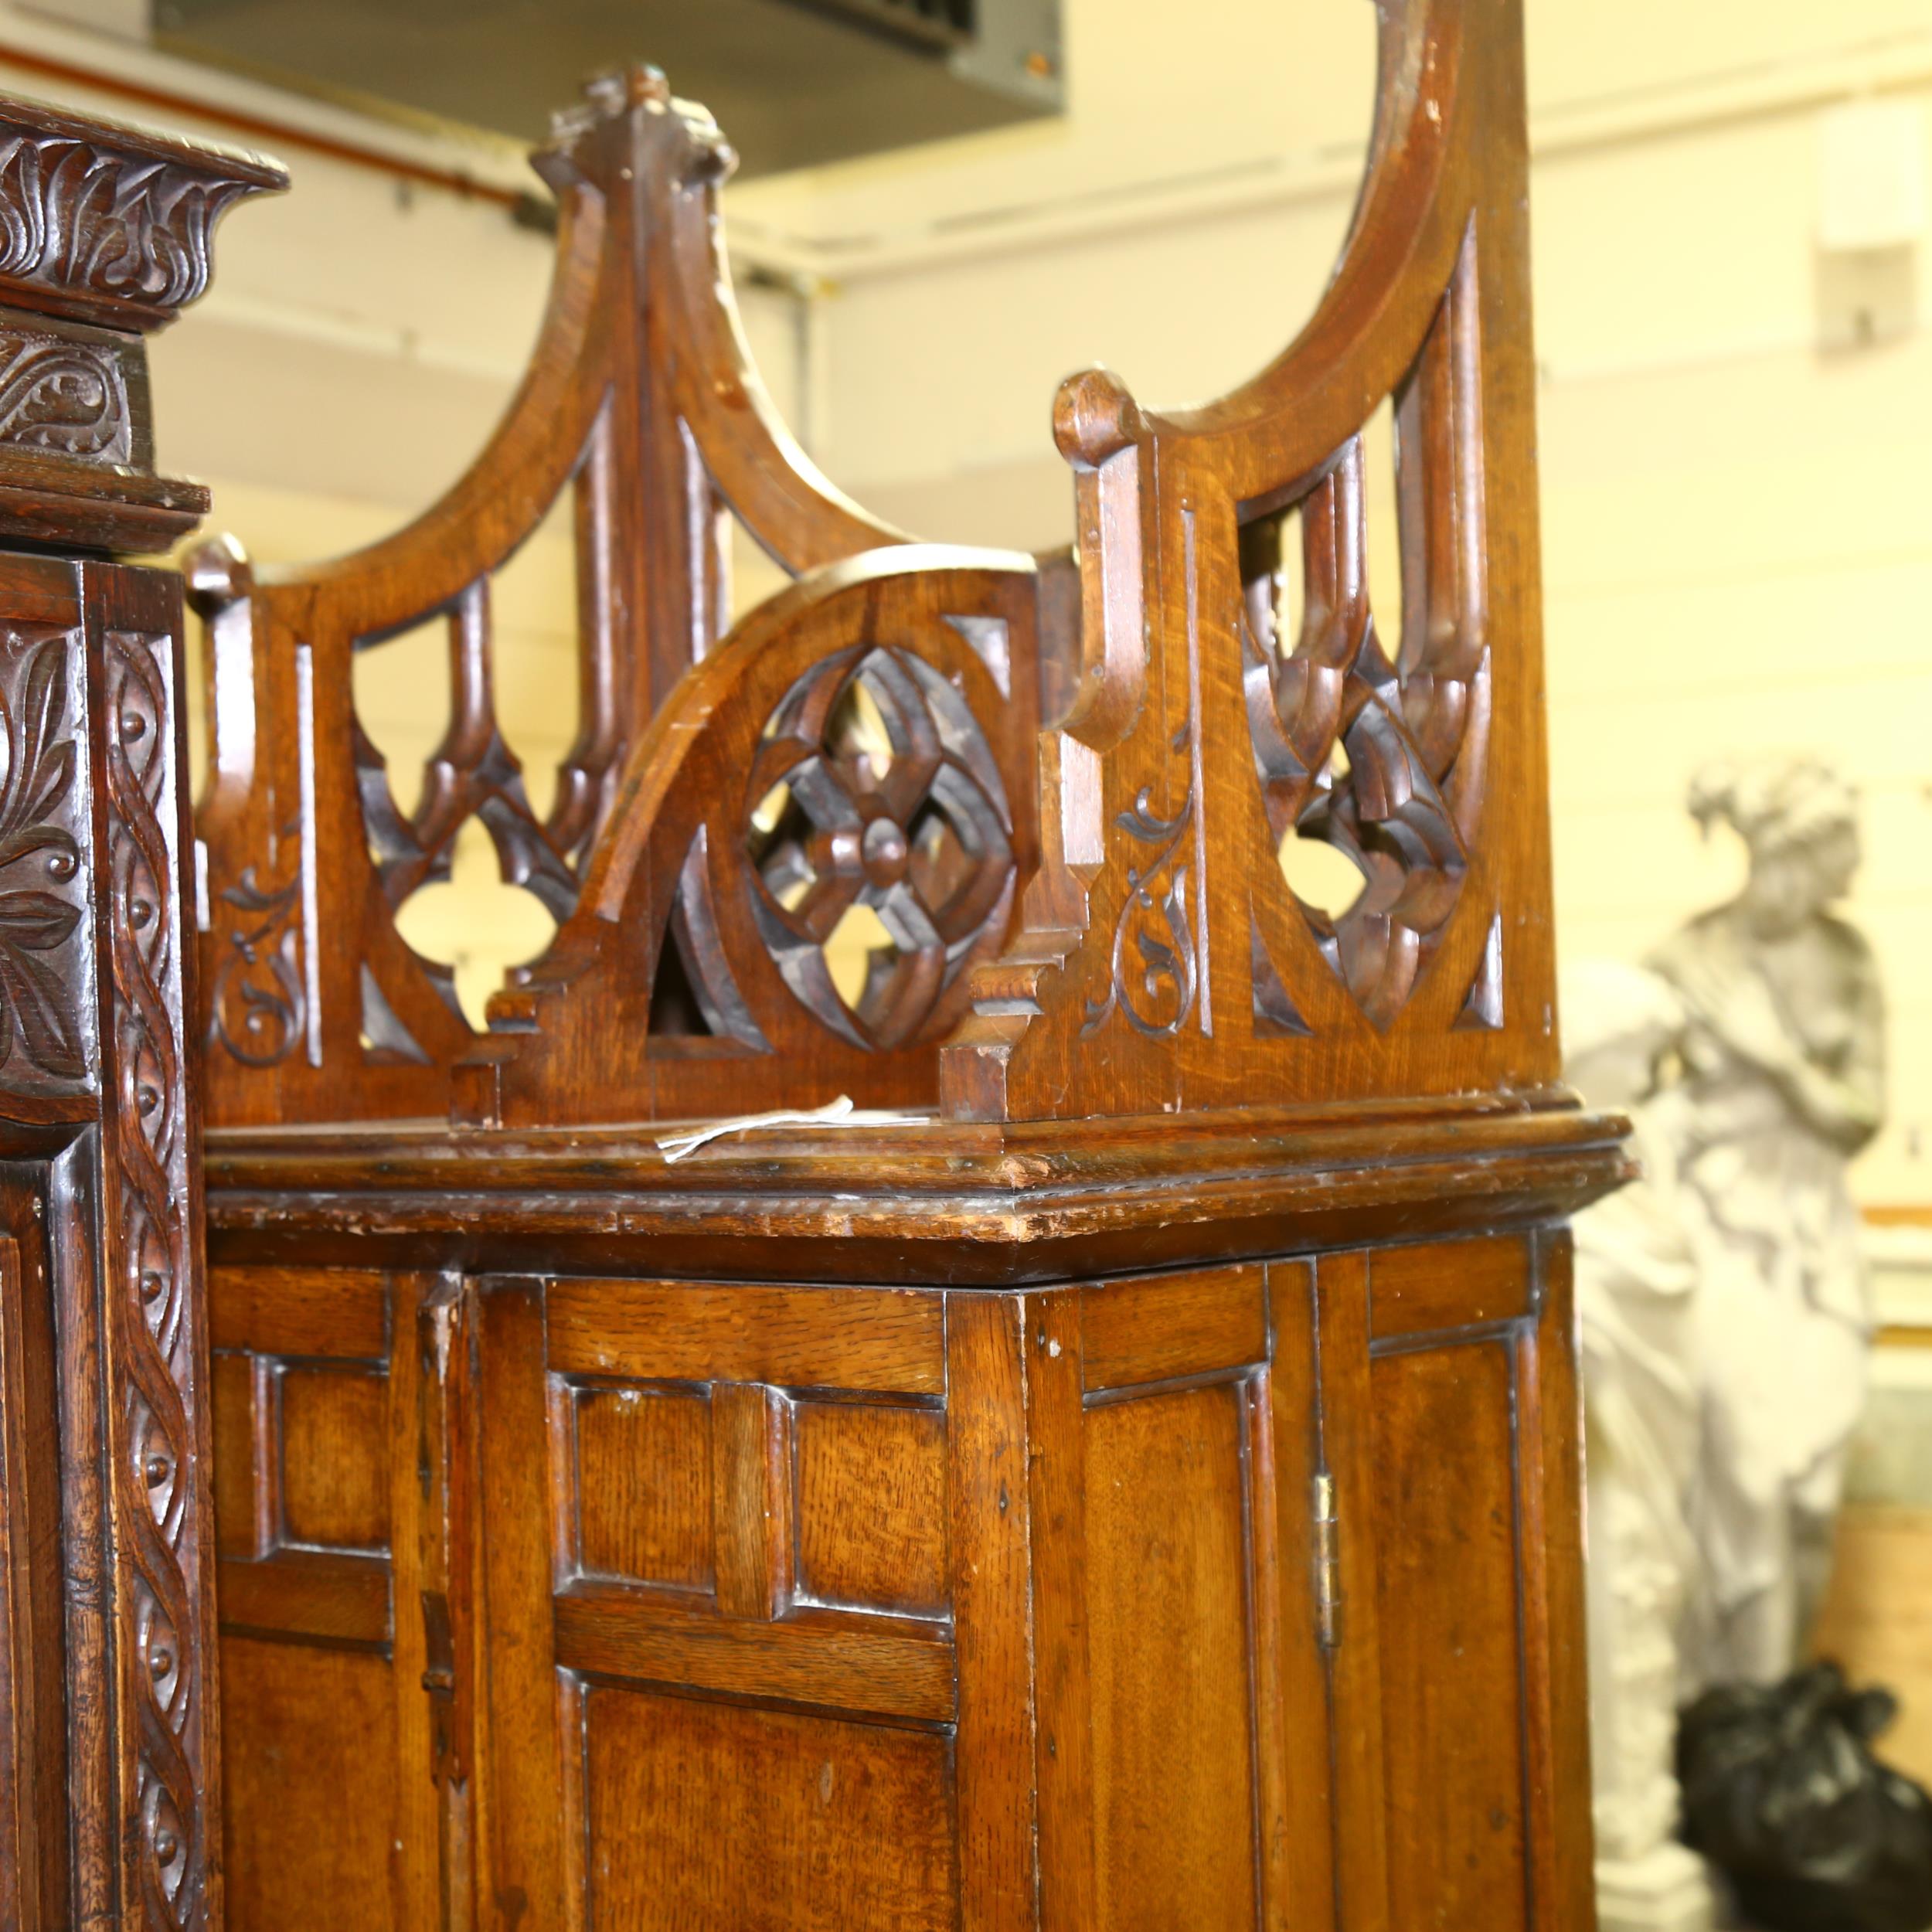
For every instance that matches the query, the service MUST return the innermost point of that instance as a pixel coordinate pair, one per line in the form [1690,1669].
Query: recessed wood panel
[885,1339]
[871,1488]
[705,1815]
[1445,1540]
[644,1484]
[300,1312]
[1167,1617]
[1172,1326]
[1442,1285]
[311,1796]
[336,1473]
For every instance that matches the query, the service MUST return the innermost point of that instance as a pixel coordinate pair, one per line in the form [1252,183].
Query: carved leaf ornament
[35,844]
[85,218]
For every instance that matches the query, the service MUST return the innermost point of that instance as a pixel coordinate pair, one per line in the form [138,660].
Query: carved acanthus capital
[103,223]
[105,233]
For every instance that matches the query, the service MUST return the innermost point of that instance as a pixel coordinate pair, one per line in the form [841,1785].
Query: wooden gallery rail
[1130,1484]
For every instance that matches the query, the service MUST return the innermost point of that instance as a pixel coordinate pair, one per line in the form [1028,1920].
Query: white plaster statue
[1783,1054]
[1637,1273]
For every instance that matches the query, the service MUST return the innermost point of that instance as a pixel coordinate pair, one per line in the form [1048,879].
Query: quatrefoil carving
[1381,758]
[875,792]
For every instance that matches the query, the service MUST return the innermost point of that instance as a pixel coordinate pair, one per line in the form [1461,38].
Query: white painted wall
[1738,527]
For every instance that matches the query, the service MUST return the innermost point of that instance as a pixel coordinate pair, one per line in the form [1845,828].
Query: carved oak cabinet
[1122,1475]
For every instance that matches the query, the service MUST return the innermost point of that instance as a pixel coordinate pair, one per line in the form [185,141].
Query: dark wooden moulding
[1131,1484]
[110,1788]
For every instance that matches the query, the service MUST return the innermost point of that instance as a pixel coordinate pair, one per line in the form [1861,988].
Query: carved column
[109,1759]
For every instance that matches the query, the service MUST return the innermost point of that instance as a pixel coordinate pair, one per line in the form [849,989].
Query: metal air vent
[793,83]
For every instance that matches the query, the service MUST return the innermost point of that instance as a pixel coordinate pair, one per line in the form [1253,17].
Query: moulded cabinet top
[945,1203]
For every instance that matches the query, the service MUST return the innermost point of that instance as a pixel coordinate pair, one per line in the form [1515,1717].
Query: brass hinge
[1327,1565]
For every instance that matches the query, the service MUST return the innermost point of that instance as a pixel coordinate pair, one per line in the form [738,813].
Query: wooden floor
[1878,1621]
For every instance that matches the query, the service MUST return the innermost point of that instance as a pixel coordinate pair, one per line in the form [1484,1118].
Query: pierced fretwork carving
[1384,757]
[909,821]
[640,401]
[473,774]
[1380,751]
[757,904]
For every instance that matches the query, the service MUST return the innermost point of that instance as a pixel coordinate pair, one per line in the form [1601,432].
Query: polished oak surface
[1236,1584]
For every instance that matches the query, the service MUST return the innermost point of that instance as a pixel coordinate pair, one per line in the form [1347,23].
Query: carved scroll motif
[258,1007]
[62,396]
[1171,945]
[45,1021]
[1165,976]
[473,772]
[153,1313]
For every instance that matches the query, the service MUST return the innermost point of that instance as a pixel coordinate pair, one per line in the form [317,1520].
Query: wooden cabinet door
[1448,1432]
[34,1751]
[329,1483]
[715,1661]
[1175,1447]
